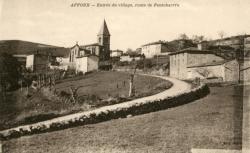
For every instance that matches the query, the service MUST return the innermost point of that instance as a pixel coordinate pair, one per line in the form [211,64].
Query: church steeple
[104,29]
[103,39]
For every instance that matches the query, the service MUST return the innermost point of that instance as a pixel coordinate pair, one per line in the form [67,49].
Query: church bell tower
[103,39]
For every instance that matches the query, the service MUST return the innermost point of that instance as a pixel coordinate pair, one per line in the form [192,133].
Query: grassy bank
[97,89]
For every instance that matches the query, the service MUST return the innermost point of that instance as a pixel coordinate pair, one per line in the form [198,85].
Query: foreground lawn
[97,89]
[212,122]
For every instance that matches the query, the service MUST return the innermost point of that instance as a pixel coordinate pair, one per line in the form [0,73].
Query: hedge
[106,113]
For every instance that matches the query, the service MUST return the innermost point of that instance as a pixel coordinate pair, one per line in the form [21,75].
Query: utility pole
[131,83]
[240,55]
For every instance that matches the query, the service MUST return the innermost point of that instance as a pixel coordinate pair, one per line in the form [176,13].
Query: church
[100,49]
[91,52]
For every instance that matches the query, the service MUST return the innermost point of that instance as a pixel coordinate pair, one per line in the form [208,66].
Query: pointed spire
[104,29]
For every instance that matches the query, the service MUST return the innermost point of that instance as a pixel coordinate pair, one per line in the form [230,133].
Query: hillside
[26,47]
[211,122]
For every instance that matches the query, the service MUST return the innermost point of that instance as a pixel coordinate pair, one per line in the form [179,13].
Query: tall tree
[183,36]
[10,71]
[221,34]
[197,38]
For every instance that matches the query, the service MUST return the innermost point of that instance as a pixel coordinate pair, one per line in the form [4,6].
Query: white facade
[151,50]
[86,64]
[126,58]
[116,53]
[30,62]
[155,49]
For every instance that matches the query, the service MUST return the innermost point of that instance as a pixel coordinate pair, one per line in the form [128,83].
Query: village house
[155,49]
[239,42]
[192,63]
[34,62]
[86,63]
[60,62]
[129,58]
[116,53]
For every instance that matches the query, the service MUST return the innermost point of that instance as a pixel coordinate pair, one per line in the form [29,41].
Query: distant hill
[26,47]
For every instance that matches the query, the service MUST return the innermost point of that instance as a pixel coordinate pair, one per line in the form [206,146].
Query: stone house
[156,48]
[87,63]
[35,62]
[239,42]
[190,63]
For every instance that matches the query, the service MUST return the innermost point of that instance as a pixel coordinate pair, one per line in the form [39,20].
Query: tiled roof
[155,43]
[232,37]
[87,55]
[192,50]
[94,44]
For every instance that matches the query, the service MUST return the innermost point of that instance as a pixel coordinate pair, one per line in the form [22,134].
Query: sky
[57,23]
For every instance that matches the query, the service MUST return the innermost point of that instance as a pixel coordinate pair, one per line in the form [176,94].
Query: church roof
[104,29]
[94,44]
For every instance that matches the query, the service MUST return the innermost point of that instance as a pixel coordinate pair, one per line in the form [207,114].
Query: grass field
[212,122]
[106,84]
[100,85]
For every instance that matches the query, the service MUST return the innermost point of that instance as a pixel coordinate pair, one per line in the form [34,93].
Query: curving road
[177,88]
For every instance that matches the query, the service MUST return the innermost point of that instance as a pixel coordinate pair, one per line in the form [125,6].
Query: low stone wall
[107,113]
[159,72]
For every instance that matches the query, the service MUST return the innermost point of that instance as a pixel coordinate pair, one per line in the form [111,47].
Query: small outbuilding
[87,63]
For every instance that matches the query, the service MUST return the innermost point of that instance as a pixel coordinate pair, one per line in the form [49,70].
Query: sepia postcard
[124,76]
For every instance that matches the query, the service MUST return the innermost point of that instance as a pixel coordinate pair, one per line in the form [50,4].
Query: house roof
[232,37]
[192,50]
[170,47]
[87,55]
[104,29]
[84,49]
[93,44]
[154,43]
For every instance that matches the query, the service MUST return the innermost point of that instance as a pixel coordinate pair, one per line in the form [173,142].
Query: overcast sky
[55,22]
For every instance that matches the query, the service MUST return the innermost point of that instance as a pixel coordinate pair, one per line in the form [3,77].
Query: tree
[10,70]
[221,34]
[183,36]
[197,38]
[129,51]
